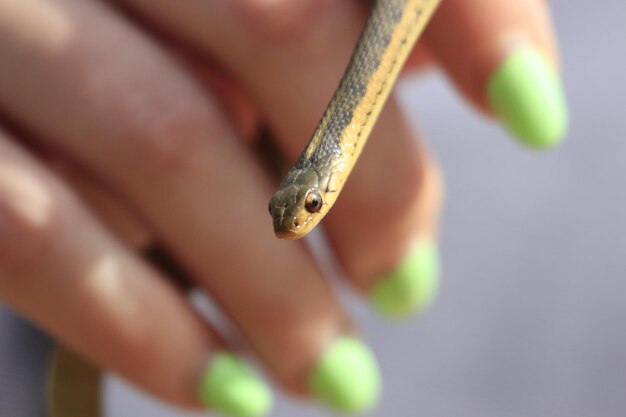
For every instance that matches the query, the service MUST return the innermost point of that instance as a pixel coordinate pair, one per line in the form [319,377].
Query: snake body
[313,184]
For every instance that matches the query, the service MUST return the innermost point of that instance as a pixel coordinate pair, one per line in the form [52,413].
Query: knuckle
[405,192]
[283,19]
[27,217]
[421,186]
[169,139]
[433,187]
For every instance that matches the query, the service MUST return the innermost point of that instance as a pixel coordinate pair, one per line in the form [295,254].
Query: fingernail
[525,92]
[229,387]
[346,377]
[412,285]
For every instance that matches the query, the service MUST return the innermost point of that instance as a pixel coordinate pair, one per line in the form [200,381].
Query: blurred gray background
[531,320]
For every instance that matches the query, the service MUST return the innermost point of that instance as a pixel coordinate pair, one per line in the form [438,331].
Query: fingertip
[229,387]
[502,57]
[346,378]
[412,285]
[525,93]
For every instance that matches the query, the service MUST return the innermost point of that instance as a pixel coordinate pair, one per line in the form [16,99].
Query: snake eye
[313,201]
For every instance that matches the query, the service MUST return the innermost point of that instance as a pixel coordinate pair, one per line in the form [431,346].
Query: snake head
[298,205]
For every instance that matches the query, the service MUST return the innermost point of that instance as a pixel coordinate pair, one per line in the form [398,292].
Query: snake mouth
[287,234]
[286,225]
[283,229]
[292,227]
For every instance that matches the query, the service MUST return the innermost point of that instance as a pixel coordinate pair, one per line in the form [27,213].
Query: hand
[152,108]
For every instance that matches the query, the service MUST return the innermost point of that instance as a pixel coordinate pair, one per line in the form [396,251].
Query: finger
[502,56]
[124,224]
[62,270]
[290,56]
[118,218]
[170,151]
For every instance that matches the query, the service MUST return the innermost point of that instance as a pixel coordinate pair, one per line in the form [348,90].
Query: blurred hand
[133,123]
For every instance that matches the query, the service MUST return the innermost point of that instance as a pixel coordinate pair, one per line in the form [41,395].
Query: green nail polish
[229,387]
[346,378]
[526,94]
[412,285]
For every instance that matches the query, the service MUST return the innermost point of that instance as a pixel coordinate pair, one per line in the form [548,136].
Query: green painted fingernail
[228,386]
[412,285]
[526,94]
[346,378]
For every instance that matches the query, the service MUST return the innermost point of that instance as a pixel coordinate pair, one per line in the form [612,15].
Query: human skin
[133,123]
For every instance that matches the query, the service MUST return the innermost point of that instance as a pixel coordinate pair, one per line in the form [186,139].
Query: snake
[312,185]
